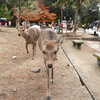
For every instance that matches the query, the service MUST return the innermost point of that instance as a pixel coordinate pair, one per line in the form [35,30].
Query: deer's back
[34,32]
[46,34]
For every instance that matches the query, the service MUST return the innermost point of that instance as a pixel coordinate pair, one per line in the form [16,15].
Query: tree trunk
[16,23]
[61,19]
[61,13]
[98,25]
[25,23]
[75,20]
[19,13]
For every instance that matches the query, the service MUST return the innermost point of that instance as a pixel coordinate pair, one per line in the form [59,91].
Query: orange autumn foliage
[42,16]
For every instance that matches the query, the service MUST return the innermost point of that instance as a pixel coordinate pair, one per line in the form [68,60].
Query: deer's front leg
[48,86]
[27,47]
[52,76]
[45,66]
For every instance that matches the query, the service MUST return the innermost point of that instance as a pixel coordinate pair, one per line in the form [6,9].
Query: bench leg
[98,62]
[78,46]
[74,44]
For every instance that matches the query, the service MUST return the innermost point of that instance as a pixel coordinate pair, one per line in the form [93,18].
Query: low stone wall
[92,39]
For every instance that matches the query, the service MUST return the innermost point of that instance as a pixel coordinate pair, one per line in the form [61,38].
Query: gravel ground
[17,82]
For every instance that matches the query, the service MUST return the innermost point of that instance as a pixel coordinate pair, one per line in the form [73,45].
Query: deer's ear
[60,41]
[21,28]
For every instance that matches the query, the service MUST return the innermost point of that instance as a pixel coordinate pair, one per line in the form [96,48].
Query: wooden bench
[97,55]
[77,43]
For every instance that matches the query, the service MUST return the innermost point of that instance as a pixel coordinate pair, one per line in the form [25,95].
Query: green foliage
[60,3]
[21,5]
[76,4]
[2,2]
[4,12]
[68,12]
[90,13]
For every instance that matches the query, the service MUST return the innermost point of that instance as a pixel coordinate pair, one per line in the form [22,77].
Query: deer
[49,44]
[31,36]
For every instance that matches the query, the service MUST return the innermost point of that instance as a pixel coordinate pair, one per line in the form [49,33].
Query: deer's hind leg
[34,49]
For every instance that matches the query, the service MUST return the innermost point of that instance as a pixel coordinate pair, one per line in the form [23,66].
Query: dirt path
[11,45]
[18,83]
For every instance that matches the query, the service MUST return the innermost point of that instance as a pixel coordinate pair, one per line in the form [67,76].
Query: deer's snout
[19,35]
[50,66]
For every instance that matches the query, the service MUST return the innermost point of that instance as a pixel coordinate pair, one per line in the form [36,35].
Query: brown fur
[49,44]
[30,36]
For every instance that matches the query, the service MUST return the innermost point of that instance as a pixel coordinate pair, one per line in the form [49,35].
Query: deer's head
[20,30]
[50,49]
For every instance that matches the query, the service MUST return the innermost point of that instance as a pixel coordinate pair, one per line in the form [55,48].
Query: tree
[68,13]
[51,8]
[4,12]
[40,14]
[89,14]
[45,15]
[26,10]
[19,4]
[76,5]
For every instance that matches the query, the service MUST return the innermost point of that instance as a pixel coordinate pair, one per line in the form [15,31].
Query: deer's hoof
[52,81]
[48,98]
[67,64]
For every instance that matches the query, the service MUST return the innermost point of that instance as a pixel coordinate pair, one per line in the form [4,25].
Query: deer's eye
[55,52]
[44,52]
